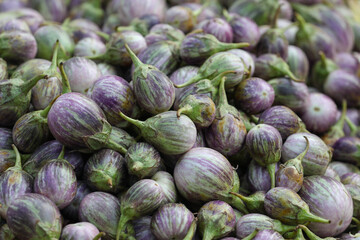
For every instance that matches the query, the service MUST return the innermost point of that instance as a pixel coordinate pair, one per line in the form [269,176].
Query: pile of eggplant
[179,119]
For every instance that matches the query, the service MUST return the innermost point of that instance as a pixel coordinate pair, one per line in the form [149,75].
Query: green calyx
[254,202]
[321,70]
[271,170]
[353,128]
[136,25]
[192,230]
[297,162]
[312,235]
[18,165]
[337,130]
[140,68]
[280,68]
[65,81]
[251,235]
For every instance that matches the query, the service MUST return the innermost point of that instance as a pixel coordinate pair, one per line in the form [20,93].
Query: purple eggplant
[102,210]
[341,85]
[283,119]
[89,47]
[113,94]
[209,176]
[14,182]
[346,149]
[197,47]
[180,76]
[34,216]
[180,17]
[46,37]
[293,95]
[199,108]
[116,53]
[258,177]
[5,138]
[321,70]
[81,28]
[106,171]
[247,58]
[298,62]
[250,222]
[287,206]
[32,17]
[16,98]
[347,62]
[244,29]
[264,143]
[53,10]
[172,221]
[216,219]
[354,191]
[268,66]
[17,46]
[331,173]
[141,199]
[72,210]
[320,113]
[268,234]
[80,230]
[14,25]
[143,160]
[167,184]
[351,178]
[291,173]
[82,73]
[142,228]
[166,132]
[78,122]
[254,95]
[319,193]
[163,32]
[57,181]
[153,90]
[342,168]
[219,28]
[317,157]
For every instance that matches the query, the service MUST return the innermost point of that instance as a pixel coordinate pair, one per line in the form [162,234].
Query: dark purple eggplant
[347,149]
[264,143]
[254,95]
[14,25]
[317,157]
[258,177]
[72,210]
[142,228]
[32,17]
[81,28]
[34,216]
[14,182]
[351,178]
[5,138]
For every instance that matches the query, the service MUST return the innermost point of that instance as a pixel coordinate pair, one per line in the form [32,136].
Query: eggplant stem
[100,235]
[137,123]
[18,157]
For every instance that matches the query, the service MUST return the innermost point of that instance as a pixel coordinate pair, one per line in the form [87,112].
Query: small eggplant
[347,149]
[166,132]
[167,184]
[89,47]
[181,17]
[342,168]
[254,95]
[153,90]
[258,177]
[80,230]
[26,223]
[14,182]
[351,178]
[348,62]
[216,219]
[298,62]
[143,160]
[91,10]
[264,143]
[163,32]
[217,27]
[106,171]
[14,25]
[172,221]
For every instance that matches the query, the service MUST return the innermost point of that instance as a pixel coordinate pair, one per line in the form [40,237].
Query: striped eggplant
[227,132]
[209,176]
[331,173]
[46,37]
[17,46]
[164,55]
[89,47]
[218,63]
[273,41]
[268,234]
[254,95]
[216,219]
[82,73]
[80,230]
[166,132]
[57,181]
[102,210]
[298,62]
[72,210]
[244,29]
[347,62]
[254,202]
[143,160]
[5,138]
[113,94]
[142,228]
[268,66]
[264,143]
[181,76]
[327,198]
[115,49]
[51,150]
[320,113]
[167,184]
[317,157]
[153,90]
[77,122]
[141,199]
[32,17]
[15,98]
[163,32]
[287,206]
[258,177]
[250,222]
[342,168]
[199,108]
[14,182]
[283,119]
[217,27]
[180,17]
[346,149]
[198,46]
[291,173]
[354,191]
[247,57]
[321,70]
[351,178]
[26,223]
[172,221]
[106,171]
